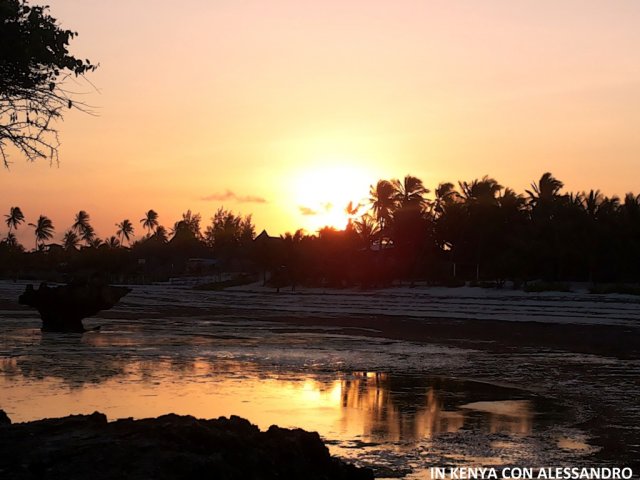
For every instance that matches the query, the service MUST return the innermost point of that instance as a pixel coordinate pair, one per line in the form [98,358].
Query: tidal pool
[399,418]
[397,423]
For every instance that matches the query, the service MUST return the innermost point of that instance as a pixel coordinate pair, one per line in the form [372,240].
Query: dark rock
[63,308]
[4,418]
[163,448]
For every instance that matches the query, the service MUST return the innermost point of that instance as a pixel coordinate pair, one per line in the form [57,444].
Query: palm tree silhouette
[366,229]
[95,242]
[70,240]
[43,230]
[161,234]
[150,221]
[631,206]
[545,191]
[125,230]
[383,203]
[483,191]
[81,222]
[89,235]
[410,193]
[591,202]
[511,201]
[112,242]
[83,228]
[11,240]
[14,219]
[444,195]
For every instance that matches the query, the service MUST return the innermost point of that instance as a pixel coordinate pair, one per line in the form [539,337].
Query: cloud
[229,195]
[307,211]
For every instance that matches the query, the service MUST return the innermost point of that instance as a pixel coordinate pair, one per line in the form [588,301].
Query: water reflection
[390,417]
[513,416]
[370,406]
[401,408]
[390,414]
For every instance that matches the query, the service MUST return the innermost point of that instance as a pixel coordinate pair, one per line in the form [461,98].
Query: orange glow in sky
[283,108]
[323,192]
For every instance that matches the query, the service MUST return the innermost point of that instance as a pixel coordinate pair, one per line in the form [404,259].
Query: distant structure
[267,253]
[264,239]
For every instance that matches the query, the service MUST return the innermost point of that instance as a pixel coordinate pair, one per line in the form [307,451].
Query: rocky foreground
[167,447]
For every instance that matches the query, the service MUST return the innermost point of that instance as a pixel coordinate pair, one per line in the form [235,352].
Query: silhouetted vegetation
[34,63]
[479,232]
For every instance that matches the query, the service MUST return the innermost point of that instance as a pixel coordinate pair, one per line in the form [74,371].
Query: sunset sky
[284,109]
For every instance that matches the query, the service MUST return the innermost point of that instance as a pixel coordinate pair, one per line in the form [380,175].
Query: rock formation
[63,308]
[165,448]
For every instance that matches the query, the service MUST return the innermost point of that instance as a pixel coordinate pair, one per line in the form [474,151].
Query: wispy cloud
[230,195]
[307,211]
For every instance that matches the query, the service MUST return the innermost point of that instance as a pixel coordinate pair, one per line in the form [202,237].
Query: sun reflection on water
[371,406]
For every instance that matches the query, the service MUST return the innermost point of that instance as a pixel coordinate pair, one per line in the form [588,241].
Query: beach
[397,379]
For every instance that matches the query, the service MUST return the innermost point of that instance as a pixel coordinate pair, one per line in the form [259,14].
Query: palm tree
[444,194]
[150,221]
[70,240]
[366,229]
[89,235]
[14,219]
[511,200]
[631,207]
[11,240]
[545,191]
[83,228]
[112,242]
[161,234]
[125,230]
[482,191]
[383,203]
[43,230]
[95,242]
[81,222]
[591,202]
[410,192]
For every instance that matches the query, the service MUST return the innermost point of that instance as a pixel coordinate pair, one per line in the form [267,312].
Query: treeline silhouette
[474,231]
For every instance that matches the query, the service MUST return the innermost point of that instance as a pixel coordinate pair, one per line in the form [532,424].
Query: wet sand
[579,380]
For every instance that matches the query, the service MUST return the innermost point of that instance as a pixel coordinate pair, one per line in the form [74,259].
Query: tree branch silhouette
[35,66]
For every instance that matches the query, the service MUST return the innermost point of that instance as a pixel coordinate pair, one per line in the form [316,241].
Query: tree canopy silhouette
[34,64]
[125,230]
[43,230]
[83,228]
[150,221]
[475,230]
[14,219]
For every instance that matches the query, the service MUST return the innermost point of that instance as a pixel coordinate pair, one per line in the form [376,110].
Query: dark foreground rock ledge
[167,447]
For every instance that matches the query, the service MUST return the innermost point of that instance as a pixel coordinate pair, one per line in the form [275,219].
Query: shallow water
[398,406]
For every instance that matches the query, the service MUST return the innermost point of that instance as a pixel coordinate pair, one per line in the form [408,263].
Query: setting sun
[322,193]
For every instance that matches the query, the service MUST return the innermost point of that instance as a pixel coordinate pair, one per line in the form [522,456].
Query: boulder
[63,308]
[165,448]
